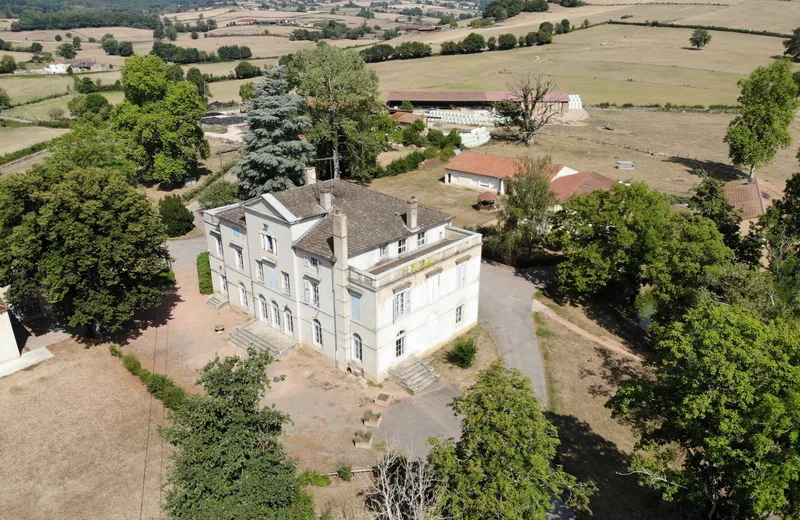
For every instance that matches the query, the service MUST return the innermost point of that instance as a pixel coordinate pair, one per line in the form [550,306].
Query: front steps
[414,374]
[217,301]
[257,335]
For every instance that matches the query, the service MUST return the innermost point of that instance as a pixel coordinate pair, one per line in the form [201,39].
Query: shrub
[345,473]
[177,219]
[463,353]
[311,477]
[114,351]
[220,193]
[506,41]
[204,273]
[131,364]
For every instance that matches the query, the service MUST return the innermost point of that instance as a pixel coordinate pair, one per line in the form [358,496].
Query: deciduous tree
[722,414]
[274,157]
[769,101]
[85,241]
[160,120]
[5,99]
[230,462]
[66,51]
[608,237]
[525,211]
[527,110]
[700,38]
[502,466]
[792,45]
[344,109]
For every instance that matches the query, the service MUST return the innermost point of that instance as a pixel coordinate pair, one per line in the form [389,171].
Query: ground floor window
[358,353]
[276,316]
[459,314]
[287,322]
[317,330]
[400,344]
[243,297]
[263,303]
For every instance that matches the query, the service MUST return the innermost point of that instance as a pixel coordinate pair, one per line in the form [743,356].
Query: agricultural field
[761,15]
[42,109]
[26,88]
[608,63]
[13,139]
[667,147]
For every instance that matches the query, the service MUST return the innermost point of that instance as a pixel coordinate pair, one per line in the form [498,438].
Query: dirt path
[610,344]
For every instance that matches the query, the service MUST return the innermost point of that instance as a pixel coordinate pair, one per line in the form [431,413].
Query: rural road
[17,119]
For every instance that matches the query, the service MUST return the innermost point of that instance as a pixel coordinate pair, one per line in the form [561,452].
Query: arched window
[288,325]
[317,333]
[276,316]
[358,353]
[243,297]
[263,304]
[400,344]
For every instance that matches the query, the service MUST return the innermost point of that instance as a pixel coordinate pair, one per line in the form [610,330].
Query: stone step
[217,301]
[244,338]
[414,374]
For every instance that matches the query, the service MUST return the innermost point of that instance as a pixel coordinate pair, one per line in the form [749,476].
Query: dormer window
[269,244]
[384,251]
[401,246]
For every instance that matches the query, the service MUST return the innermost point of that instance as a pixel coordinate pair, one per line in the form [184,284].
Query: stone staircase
[217,301]
[414,374]
[244,337]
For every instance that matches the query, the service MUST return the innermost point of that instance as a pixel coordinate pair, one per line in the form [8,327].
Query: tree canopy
[608,237]
[85,241]
[769,101]
[700,38]
[160,121]
[502,466]
[344,109]
[251,477]
[792,45]
[274,156]
[726,392]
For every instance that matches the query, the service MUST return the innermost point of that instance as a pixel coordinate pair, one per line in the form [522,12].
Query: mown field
[611,63]
[13,139]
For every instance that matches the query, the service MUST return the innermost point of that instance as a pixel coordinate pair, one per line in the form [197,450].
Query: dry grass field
[581,377]
[612,63]
[13,139]
[41,110]
[25,88]
[228,90]
[760,15]
[77,443]
[666,147]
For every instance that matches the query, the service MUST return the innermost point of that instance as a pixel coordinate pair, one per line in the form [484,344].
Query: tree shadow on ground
[590,456]
[717,170]
[153,317]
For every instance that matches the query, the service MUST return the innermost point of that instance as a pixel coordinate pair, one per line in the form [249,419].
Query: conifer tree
[274,158]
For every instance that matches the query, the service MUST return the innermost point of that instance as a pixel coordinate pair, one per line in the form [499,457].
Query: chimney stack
[340,238]
[311,176]
[326,201]
[411,213]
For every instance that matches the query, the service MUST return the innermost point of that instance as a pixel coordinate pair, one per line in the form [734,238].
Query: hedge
[204,273]
[19,154]
[656,23]
[159,385]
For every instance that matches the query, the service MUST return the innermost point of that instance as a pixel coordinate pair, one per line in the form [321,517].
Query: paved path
[505,311]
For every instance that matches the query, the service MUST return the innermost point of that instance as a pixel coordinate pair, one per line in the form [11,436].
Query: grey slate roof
[373,218]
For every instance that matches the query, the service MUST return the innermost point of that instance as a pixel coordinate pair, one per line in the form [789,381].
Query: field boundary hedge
[32,149]
[656,23]
[162,387]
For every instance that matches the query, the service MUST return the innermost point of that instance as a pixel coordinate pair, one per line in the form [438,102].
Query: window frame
[218,243]
[403,297]
[434,287]
[316,333]
[353,298]
[244,301]
[402,246]
[460,313]
[286,284]
[260,271]
[383,251]
[276,315]
[311,293]
[238,255]
[421,239]
[269,244]
[262,302]
[400,344]
[288,322]
[358,348]
[461,275]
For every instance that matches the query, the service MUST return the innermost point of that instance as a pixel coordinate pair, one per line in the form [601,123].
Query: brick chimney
[326,201]
[311,176]
[411,212]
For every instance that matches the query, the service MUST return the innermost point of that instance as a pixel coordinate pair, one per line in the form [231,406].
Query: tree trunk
[752,173]
[335,161]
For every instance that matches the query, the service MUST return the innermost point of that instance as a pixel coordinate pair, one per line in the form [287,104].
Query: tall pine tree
[275,158]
